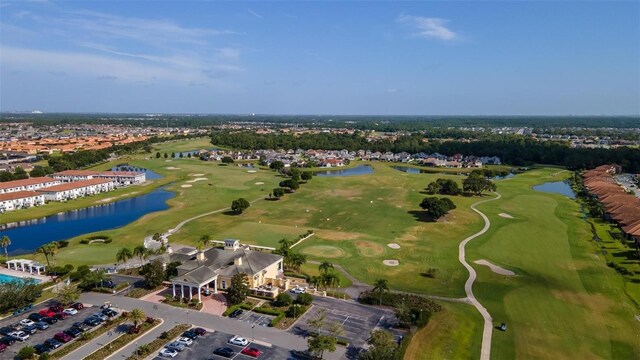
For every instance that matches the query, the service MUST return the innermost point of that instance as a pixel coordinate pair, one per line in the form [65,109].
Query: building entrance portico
[184,289]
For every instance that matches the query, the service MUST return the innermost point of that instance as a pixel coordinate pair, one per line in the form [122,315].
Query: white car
[298,290]
[70,311]
[178,346]
[185,340]
[26,322]
[238,340]
[20,335]
[168,353]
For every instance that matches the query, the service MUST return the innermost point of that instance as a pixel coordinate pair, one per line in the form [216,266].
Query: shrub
[26,352]
[85,241]
[44,356]
[304,299]
[265,310]
[283,299]
[276,320]
[295,311]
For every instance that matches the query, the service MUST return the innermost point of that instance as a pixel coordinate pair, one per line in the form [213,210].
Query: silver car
[175,346]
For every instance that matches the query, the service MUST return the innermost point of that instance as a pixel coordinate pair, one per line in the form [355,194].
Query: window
[224,284]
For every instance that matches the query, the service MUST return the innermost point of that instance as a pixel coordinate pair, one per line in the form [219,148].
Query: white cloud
[392,90]
[429,28]
[255,14]
[228,53]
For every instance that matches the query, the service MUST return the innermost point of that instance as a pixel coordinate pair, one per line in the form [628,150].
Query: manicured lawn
[312,270]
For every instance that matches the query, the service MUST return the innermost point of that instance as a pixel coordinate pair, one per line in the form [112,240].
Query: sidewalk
[97,343]
[146,338]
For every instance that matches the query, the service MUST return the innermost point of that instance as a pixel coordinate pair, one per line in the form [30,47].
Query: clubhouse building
[213,269]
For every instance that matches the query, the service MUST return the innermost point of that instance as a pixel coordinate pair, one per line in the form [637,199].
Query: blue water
[150,175]
[26,236]
[6,278]
[358,170]
[558,187]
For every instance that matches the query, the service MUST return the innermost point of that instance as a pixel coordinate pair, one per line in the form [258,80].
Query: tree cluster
[292,260]
[239,289]
[435,207]
[476,184]
[444,187]
[383,347]
[18,293]
[240,205]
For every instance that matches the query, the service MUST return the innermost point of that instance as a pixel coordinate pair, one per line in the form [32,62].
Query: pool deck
[24,274]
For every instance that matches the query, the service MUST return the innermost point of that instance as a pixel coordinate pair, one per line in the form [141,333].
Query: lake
[358,170]
[558,187]
[26,236]
[412,170]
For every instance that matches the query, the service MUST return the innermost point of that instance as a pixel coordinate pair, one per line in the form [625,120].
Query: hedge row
[84,338]
[266,310]
[146,349]
[233,308]
[276,320]
[120,342]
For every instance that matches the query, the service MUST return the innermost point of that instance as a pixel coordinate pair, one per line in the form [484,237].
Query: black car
[42,348]
[107,284]
[190,334]
[7,329]
[31,329]
[73,332]
[236,313]
[92,321]
[53,343]
[50,320]
[200,331]
[36,317]
[224,351]
[8,340]
[109,312]
[80,326]
[41,325]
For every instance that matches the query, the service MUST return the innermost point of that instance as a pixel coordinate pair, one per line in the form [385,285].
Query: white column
[174,290]
[190,292]
[30,268]
[181,291]
[215,286]
[199,298]
[22,266]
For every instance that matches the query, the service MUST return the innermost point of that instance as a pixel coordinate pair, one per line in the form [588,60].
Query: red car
[56,308]
[62,337]
[60,316]
[200,331]
[134,329]
[77,305]
[47,313]
[251,352]
[3,347]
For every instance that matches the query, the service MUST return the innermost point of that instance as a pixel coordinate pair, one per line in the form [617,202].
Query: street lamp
[155,311]
[252,332]
[187,311]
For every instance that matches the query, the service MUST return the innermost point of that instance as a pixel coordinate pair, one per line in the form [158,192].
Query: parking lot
[203,347]
[256,319]
[41,335]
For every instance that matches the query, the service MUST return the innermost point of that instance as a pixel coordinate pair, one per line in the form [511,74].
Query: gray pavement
[95,344]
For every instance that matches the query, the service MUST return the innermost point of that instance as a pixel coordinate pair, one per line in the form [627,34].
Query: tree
[240,205]
[37,171]
[325,267]
[318,321]
[227,160]
[437,207]
[330,279]
[383,347]
[156,237]
[172,270]
[304,299]
[476,184]
[173,155]
[306,175]
[5,241]
[166,155]
[27,352]
[189,155]
[276,165]
[68,294]
[290,184]
[381,286]
[181,155]
[19,173]
[141,252]
[278,192]
[283,299]
[239,289]
[158,155]
[18,293]
[5,176]
[137,316]
[296,260]
[123,255]
[205,238]
[47,250]
[321,343]
[154,274]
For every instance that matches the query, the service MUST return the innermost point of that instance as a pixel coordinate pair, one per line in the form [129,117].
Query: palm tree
[325,267]
[381,286]
[43,250]
[205,238]
[5,242]
[48,250]
[297,260]
[201,245]
[136,315]
[53,250]
[330,279]
[141,252]
[123,255]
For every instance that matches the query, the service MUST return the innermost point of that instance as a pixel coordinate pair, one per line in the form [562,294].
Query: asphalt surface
[253,318]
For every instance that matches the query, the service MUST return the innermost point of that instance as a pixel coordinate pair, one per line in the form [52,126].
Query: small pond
[358,170]
[558,187]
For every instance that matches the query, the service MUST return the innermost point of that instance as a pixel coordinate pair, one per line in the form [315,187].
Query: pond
[558,187]
[27,236]
[412,170]
[358,170]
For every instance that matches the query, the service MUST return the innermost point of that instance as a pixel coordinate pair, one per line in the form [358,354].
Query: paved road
[173,316]
[485,352]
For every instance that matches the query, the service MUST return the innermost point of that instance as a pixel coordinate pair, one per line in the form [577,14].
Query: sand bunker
[251,171]
[259,183]
[391,262]
[196,174]
[394,246]
[186,185]
[505,215]
[495,268]
[198,179]
[172,168]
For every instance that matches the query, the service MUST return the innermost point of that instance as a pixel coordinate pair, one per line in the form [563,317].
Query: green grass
[312,270]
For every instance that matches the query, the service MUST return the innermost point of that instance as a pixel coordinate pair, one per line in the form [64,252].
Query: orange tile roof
[18,195]
[26,182]
[75,185]
[76,173]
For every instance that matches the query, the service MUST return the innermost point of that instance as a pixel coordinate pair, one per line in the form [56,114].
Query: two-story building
[31,184]
[76,189]
[15,200]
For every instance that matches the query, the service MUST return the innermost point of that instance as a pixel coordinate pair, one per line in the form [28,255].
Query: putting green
[369,249]
[324,251]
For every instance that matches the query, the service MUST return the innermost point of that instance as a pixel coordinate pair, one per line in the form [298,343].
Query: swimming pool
[7,278]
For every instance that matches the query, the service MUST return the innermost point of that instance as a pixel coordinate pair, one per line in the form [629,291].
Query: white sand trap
[251,171]
[259,183]
[391,262]
[196,180]
[172,168]
[495,268]
[394,246]
[505,215]
[196,174]
[186,185]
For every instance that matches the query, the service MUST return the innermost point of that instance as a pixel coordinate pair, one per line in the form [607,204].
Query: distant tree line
[512,149]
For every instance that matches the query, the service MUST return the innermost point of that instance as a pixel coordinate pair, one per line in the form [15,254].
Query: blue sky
[425,58]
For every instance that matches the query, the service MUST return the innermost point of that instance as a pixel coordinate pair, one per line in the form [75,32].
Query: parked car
[60,316]
[62,337]
[26,322]
[42,348]
[106,284]
[251,352]
[46,313]
[185,340]
[236,313]
[35,317]
[224,351]
[31,329]
[168,353]
[200,331]
[7,340]
[175,346]
[238,340]
[298,290]
[100,316]
[109,312]
[50,320]
[92,321]
[41,325]
[73,332]
[53,343]
[77,305]
[3,347]
[190,334]
[7,329]
[19,335]
[56,308]
[70,311]
[80,326]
